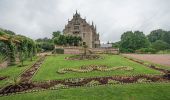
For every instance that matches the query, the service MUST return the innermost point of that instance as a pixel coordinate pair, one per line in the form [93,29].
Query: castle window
[76,27]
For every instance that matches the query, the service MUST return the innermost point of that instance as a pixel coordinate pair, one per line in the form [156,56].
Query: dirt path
[163,59]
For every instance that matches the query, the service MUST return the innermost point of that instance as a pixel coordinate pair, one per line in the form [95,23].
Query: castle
[79,27]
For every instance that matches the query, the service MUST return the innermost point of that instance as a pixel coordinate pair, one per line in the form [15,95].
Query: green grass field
[52,64]
[14,71]
[49,68]
[154,91]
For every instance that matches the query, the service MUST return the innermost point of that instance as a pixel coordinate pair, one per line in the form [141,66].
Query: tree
[131,41]
[44,40]
[47,46]
[160,45]
[116,44]
[166,37]
[67,40]
[9,32]
[15,44]
[56,34]
[156,35]
[61,40]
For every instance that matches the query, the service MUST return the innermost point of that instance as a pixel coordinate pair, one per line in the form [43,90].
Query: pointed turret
[92,25]
[95,28]
[76,12]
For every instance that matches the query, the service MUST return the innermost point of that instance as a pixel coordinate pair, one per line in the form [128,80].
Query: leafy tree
[131,41]
[44,40]
[47,46]
[166,37]
[67,40]
[116,44]
[160,45]
[17,44]
[9,32]
[156,35]
[61,40]
[56,34]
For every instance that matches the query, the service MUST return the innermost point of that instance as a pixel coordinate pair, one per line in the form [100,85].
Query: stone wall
[79,50]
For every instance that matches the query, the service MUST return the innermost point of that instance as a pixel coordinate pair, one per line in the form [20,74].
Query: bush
[58,51]
[160,45]
[123,50]
[146,50]
[47,46]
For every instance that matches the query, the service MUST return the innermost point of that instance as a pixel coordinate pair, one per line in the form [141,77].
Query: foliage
[47,46]
[56,34]
[166,37]
[164,51]
[40,40]
[67,40]
[11,51]
[146,50]
[116,44]
[9,32]
[131,41]
[138,42]
[156,35]
[61,40]
[3,51]
[160,45]
[15,44]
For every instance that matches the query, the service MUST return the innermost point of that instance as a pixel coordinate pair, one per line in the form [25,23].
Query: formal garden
[36,71]
[58,77]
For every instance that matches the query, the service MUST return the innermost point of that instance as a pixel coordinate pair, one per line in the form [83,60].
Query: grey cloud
[39,18]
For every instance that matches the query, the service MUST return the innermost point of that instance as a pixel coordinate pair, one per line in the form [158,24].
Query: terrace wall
[79,50]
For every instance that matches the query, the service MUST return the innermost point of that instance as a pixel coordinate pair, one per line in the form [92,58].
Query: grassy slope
[53,63]
[14,71]
[155,91]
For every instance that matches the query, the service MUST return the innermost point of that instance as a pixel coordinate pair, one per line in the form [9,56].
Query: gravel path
[163,59]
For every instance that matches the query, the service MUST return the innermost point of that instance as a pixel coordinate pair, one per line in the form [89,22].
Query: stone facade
[79,27]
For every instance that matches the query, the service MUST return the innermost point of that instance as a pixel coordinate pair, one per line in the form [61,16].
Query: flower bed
[85,69]
[83,57]
[80,82]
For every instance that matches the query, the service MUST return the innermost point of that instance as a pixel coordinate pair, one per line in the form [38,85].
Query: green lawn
[14,71]
[154,91]
[49,68]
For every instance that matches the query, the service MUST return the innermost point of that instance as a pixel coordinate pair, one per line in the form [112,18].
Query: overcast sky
[39,18]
